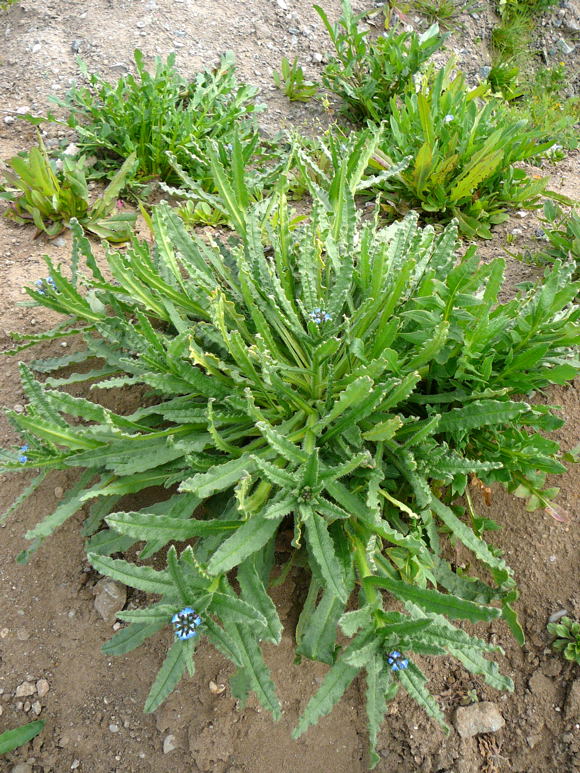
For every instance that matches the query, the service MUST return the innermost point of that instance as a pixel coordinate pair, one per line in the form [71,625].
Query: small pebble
[114,728]
[75,764]
[18,408]
[22,635]
[8,119]
[42,688]
[36,708]
[168,744]
[59,492]
[555,616]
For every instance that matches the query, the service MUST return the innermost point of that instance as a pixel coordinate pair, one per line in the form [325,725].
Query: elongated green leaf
[318,632]
[249,538]
[480,413]
[158,613]
[144,526]
[331,691]
[323,552]
[218,478]
[68,507]
[167,677]
[468,537]
[414,682]
[12,739]
[141,577]
[256,669]
[133,636]
[434,601]
[254,592]
[230,607]
[381,690]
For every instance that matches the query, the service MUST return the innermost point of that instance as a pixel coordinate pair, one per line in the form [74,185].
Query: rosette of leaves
[334,384]
[367,72]
[567,641]
[40,194]
[464,154]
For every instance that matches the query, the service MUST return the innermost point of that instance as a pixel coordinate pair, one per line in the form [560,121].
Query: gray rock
[542,686]
[478,718]
[110,598]
[484,70]
[565,47]
[555,616]
[22,767]
[25,689]
[572,710]
[169,744]
[9,119]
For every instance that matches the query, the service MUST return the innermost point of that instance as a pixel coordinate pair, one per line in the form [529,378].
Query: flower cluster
[23,458]
[319,315]
[45,284]
[186,623]
[396,661]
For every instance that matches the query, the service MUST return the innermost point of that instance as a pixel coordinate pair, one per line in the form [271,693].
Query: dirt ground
[49,628]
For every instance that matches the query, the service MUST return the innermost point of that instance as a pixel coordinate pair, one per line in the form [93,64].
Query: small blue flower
[23,458]
[396,661]
[186,623]
[319,315]
[448,118]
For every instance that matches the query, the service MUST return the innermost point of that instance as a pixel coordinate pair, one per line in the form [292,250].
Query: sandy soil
[49,628]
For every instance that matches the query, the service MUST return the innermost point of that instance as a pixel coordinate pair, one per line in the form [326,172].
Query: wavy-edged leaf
[434,601]
[252,535]
[131,637]
[480,413]
[146,526]
[168,676]
[331,691]
[323,552]
[256,670]
[381,689]
[143,578]
[414,681]
[218,478]
[254,592]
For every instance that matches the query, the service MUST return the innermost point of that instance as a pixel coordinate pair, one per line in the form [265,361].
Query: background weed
[290,80]
[153,114]
[39,194]
[366,73]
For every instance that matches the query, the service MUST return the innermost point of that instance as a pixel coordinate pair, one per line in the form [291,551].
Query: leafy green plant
[366,73]
[4,4]
[204,202]
[291,81]
[562,231]
[446,13]
[510,8]
[12,739]
[38,193]
[463,155]
[335,384]
[511,41]
[504,80]
[157,113]
[567,633]
[548,109]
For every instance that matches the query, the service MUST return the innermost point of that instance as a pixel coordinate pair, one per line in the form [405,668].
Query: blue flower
[448,118]
[23,458]
[396,661]
[319,315]
[43,285]
[186,623]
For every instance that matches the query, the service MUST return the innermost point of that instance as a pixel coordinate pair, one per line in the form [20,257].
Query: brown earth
[49,628]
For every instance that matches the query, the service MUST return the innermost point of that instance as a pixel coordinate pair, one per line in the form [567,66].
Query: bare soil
[49,628]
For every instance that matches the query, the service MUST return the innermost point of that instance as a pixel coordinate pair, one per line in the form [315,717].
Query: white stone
[25,689]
